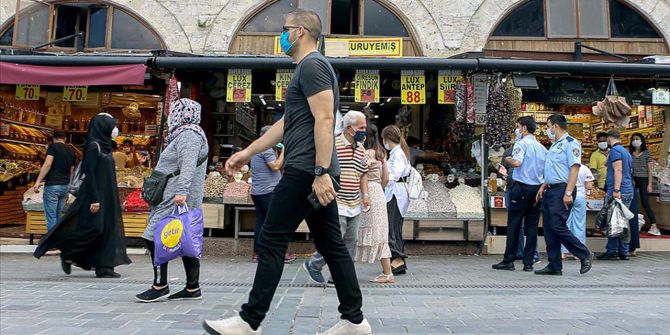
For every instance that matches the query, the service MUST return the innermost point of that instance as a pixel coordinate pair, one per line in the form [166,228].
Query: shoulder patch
[516,151]
[576,152]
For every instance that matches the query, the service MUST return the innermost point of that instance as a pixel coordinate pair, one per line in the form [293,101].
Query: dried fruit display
[468,201]
[215,184]
[135,203]
[237,193]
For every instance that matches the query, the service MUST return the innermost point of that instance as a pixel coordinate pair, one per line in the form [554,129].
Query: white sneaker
[345,327]
[231,326]
[654,231]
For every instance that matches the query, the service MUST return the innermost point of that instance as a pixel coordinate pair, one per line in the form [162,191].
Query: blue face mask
[360,135]
[284,42]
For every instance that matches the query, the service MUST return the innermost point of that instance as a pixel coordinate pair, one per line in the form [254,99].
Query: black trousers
[289,206]
[522,211]
[191,267]
[556,231]
[261,206]
[641,184]
[396,243]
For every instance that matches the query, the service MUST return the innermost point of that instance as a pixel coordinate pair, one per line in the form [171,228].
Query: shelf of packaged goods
[21,142]
[26,124]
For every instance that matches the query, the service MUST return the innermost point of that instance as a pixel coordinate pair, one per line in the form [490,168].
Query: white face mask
[602,145]
[518,134]
[387,147]
[115,133]
[637,143]
[551,134]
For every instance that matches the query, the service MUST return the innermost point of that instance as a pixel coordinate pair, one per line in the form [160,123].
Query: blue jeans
[617,244]
[54,200]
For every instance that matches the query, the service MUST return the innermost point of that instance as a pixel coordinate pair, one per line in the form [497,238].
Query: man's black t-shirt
[313,74]
[63,161]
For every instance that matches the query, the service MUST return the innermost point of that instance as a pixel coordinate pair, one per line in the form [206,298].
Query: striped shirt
[641,164]
[352,167]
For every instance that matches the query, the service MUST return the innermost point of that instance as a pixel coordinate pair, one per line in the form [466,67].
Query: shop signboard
[75,93]
[358,47]
[27,92]
[661,96]
[446,86]
[367,86]
[282,79]
[413,87]
[238,88]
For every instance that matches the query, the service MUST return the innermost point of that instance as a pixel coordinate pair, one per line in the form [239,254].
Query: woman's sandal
[383,279]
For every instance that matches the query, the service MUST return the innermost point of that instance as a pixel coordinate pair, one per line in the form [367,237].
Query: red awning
[12,73]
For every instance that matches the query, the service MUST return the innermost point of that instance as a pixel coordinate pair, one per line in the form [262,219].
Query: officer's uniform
[563,154]
[522,209]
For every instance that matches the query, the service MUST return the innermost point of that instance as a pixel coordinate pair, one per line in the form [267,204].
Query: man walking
[560,179]
[55,172]
[528,157]
[310,166]
[354,186]
[619,186]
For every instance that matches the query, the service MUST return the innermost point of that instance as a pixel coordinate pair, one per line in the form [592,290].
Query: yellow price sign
[75,93]
[282,79]
[27,92]
[238,88]
[446,87]
[367,86]
[413,87]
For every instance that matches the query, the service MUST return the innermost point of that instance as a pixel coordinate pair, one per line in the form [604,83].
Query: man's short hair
[559,119]
[412,141]
[59,134]
[529,123]
[352,118]
[114,145]
[265,129]
[614,134]
[308,19]
[128,141]
[601,135]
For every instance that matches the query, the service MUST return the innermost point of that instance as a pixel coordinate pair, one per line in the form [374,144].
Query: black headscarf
[100,130]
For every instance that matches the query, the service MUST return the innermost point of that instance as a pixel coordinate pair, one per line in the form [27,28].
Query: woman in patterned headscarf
[185,145]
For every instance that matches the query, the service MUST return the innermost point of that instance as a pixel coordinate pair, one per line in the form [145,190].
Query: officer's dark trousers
[556,230]
[288,207]
[522,211]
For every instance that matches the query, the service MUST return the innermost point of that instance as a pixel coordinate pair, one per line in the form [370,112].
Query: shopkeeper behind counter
[129,150]
[119,157]
[419,154]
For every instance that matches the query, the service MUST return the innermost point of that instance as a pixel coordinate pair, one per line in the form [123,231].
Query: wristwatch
[569,194]
[320,170]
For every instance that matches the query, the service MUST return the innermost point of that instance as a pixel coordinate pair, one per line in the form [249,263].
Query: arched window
[597,19]
[339,17]
[80,26]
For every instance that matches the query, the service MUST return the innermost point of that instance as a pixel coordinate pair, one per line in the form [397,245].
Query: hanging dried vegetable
[461,101]
[470,88]
[498,116]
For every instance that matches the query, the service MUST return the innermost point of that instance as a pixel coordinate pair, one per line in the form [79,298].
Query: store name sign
[27,92]
[238,88]
[446,86]
[282,79]
[367,86]
[413,87]
[75,93]
[661,96]
[358,47]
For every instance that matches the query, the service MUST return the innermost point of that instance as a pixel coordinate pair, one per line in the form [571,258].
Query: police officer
[528,157]
[560,175]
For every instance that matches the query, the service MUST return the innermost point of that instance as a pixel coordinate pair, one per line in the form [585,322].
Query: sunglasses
[287,28]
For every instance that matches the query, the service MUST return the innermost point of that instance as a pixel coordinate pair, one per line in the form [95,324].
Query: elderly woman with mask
[90,234]
[186,145]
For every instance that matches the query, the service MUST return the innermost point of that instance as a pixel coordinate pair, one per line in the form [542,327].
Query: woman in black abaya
[90,234]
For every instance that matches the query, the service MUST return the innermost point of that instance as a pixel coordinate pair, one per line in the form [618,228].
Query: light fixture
[262,97]
[389,99]
[368,105]
[381,104]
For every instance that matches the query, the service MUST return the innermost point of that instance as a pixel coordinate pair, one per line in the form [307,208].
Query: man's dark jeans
[261,205]
[289,206]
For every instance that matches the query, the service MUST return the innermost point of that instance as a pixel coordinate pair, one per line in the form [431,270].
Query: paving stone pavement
[439,295]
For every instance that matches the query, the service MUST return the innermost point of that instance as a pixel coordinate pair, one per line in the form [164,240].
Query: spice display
[468,201]
[439,199]
[237,193]
[215,184]
[498,116]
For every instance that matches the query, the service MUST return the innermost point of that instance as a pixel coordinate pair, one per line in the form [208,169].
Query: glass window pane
[592,18]
[527,21]
[271,19]
[626,22]
[321,8]
[66,23]
[6,38]
[562,18]
[128,33]
[380,21]
[33,24]
[97,27]
[344,16]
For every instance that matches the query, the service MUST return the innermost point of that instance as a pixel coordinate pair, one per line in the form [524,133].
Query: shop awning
[128,74]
